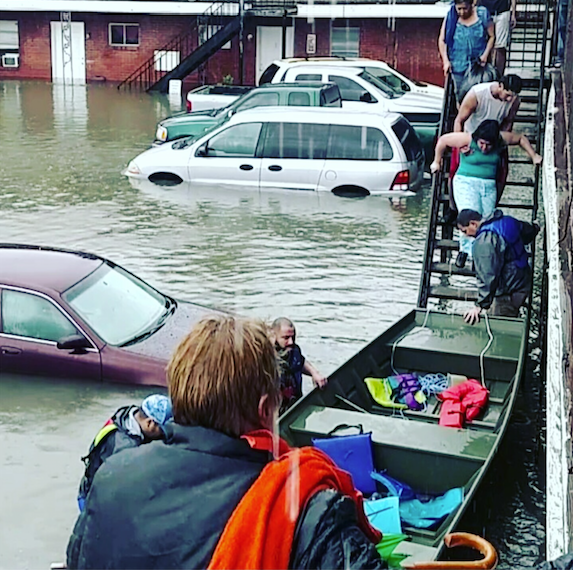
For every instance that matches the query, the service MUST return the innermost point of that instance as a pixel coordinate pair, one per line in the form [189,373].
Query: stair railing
[149,73]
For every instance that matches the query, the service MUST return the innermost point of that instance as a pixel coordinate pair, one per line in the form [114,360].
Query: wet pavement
[341,269]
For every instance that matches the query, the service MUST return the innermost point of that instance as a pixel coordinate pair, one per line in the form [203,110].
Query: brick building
[109,39]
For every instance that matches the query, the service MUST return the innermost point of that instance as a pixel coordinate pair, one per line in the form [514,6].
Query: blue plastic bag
[395,488]
[430,513]
[384,514]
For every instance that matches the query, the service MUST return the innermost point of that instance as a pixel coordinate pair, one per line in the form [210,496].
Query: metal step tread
[521,184]
[449,244]
[445,292]
[451,269]
[515,206]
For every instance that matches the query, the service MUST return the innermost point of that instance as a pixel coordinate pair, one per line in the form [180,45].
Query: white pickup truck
[214,96]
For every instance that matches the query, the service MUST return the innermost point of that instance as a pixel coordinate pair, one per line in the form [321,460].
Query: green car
[307,94]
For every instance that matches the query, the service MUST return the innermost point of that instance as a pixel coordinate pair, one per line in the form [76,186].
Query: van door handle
[275,167]
[246,167]
[10,350]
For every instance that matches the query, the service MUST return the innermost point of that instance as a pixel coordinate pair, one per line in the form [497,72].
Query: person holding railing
[475,181]
[467,34]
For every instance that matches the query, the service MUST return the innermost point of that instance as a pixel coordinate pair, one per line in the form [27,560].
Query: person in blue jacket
[500,260]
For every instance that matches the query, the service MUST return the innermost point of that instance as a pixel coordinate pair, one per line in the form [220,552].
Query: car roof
[332,60]
[328,69]
[43,268]
[326,115]
[300,85]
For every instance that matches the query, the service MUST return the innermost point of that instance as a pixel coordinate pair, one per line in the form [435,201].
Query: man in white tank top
[498,100]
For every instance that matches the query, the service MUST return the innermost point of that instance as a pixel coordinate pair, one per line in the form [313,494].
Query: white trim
[105,7]
[391,10]
[125,26]
[558,439]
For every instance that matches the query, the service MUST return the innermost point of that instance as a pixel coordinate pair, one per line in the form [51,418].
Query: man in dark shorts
[504,19]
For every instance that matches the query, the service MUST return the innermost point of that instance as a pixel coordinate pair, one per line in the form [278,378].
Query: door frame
[263,55]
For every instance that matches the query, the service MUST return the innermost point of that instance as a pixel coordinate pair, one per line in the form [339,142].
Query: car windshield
[120,308]
[218,113]
[384,87]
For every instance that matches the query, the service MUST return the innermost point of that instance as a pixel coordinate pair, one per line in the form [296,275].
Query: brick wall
[410,48]
[34,30]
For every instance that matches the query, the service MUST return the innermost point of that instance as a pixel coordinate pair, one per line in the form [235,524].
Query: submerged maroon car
[77,315]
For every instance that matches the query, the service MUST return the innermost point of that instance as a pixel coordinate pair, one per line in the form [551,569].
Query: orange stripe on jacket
[260,532]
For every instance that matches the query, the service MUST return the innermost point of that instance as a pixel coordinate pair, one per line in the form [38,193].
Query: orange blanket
[260,532]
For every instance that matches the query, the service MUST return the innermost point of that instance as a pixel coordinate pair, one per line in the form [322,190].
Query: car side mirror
[366,98]
[74,342]
[203,150]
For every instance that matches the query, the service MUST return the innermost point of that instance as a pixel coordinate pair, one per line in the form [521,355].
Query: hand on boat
[434,167]
[472,316]
[319,380]
[537,159]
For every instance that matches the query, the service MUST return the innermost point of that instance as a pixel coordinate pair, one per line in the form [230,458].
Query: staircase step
[521,184]
[527,119]
[445,292]
[519,161]
[516,206]
[449,244]
[451,269]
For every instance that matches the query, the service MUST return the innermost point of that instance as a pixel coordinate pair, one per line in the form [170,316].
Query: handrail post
[241,42]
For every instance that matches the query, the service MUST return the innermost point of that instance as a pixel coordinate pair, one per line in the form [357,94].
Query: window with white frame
[345,41]
[9,43]
[206,32]
[124,34]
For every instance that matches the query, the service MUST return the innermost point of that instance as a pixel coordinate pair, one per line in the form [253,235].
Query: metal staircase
[442,282]
[199,43]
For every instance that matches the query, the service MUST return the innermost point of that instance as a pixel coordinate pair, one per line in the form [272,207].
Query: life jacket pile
[462,403]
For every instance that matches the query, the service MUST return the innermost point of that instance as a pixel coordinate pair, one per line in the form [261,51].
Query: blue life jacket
[510,230]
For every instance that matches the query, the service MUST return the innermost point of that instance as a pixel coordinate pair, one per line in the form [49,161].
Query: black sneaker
[461,259]
[449,217]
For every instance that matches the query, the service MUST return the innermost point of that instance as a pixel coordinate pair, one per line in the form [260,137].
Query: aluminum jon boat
[410,445]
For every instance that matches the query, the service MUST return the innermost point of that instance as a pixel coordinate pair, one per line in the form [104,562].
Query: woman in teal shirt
[475,186]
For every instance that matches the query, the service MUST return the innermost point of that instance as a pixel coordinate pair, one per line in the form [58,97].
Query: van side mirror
[366,97]
[203,150]
[75,342]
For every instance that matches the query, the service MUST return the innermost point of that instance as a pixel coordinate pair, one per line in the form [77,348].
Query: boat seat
[394,431]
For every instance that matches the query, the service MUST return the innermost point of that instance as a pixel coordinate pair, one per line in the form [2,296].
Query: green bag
[386,549]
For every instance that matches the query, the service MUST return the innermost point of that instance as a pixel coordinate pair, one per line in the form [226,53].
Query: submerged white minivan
[349,153]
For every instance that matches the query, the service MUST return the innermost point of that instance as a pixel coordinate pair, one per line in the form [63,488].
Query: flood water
[341,269]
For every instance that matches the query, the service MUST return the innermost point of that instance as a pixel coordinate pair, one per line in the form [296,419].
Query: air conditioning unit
[11,60]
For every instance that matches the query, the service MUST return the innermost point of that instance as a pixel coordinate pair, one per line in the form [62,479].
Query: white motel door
[270,46]
[68,52]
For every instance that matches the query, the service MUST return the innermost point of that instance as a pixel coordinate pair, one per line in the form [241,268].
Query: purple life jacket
[408,385]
